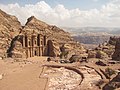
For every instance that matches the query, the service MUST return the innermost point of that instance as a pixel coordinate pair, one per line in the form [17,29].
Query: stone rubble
[62,79]
[88,81]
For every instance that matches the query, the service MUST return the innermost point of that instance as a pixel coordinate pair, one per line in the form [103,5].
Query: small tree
[109,72]
[74,58]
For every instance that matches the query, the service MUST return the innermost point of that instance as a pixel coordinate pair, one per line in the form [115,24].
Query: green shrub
[64,54]
[74,58]
[101,54]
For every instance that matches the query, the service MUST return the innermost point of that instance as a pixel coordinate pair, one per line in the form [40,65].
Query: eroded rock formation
[116,54]
[9,28]
[13,34]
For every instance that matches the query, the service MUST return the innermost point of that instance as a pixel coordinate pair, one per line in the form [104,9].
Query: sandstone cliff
[9,28]
[53,33]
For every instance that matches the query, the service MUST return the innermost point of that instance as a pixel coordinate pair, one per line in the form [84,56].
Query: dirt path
[22,77]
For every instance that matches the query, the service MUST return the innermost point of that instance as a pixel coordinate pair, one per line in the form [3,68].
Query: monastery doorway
[35,53]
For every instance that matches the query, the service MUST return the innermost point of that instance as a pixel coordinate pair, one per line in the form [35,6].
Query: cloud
[95,0]
[108,15]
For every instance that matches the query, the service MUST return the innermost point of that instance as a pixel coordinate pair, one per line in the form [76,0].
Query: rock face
[55,36]
[116,54]
[12,32]
[16,49]
[9,28]
[52,32]
[112,40]
[53,48]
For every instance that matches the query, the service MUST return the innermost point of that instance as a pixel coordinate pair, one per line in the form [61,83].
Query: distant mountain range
[92,35]
[81,30]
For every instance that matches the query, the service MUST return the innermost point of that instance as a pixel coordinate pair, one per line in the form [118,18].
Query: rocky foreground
[38,74]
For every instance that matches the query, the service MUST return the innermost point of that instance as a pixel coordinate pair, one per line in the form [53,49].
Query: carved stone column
[23,40]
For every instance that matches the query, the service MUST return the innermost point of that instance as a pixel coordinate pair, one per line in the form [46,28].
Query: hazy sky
[70,4]
[69,13]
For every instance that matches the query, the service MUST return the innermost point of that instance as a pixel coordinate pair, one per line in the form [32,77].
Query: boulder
[91,54]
